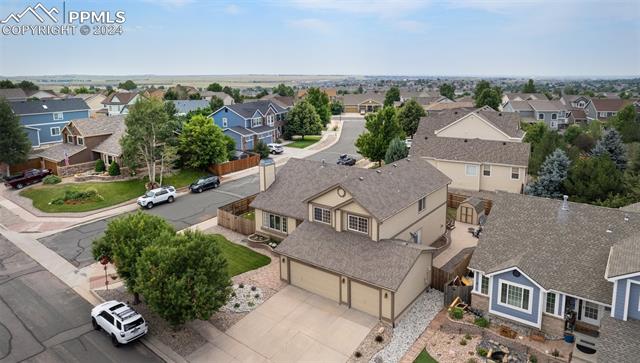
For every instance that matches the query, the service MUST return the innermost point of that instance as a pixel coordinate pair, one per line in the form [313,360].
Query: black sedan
[204,183]
[345,159]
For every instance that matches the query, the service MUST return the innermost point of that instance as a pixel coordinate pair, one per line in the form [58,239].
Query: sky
[360,37]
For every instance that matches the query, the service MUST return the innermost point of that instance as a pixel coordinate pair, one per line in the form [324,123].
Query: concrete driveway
[292,326]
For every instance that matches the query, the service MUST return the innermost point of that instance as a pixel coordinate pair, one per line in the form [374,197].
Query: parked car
[157,196]
[345,159]
[275,148]
[362,112]
[121,322]
[30,176]
[204,183]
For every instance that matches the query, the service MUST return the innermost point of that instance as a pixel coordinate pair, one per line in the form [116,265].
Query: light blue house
[554,113]
[248,123]
[44,120]
[557,267]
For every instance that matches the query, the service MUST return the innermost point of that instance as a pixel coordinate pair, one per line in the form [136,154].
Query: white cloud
[316,25]
[232,9]
[383,8]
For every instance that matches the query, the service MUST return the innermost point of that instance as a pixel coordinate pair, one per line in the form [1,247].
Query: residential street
[43,320]
[351,129]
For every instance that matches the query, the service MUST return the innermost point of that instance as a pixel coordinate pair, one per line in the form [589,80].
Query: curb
[154,344]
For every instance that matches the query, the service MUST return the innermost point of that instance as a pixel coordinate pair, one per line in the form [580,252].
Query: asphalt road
[75,244]
[43,320]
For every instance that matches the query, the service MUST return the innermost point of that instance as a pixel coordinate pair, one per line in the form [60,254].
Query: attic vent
[45,107]
[516,273]
[565,202]
[378,171]
[626,218]
[500,114]
[465,140]
[323,163]
[395,165]
[361,178]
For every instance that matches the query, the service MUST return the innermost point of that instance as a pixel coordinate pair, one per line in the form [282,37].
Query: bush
[114,169]
[262,149]
[533,359]
[482,352]
[379,338]
[555,353]
[51,179]
[467,336]
[100,167]
[463,341]
[357,354]
[456,313]
[481,322]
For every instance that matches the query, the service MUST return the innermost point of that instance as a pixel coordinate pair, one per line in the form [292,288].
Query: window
[270,120]
[255,122]
[224,122]
[55,131]
[275,222]
[80,140]
[422,204]
[358,224]
[484,285]
[591,310]
[321,215]
[581,104]
[603,114]
[550,306]
[554,116]
[108,317]
[541,116]
[118,325]
[471,170]
[515,297]
[57,116]
[70,139]
[515,173]
[486,170]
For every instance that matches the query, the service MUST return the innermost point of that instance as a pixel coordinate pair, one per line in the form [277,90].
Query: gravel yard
[369,346]
[410,326]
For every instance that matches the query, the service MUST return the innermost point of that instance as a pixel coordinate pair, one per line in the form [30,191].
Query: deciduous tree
[303,120]
[529,87]
[14,143]
[214,87]
[202,143]
[392,95]
[409,116]
[381,128]
[320,101]
[128,85]
[627,122]
[448,90]
[283,90]
[215,104]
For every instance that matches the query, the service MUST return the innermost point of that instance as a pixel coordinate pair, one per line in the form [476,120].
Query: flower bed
[244,298]
[260,241]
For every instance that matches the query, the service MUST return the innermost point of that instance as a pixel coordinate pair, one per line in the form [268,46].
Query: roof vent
[609,230]
[455,112]
[378,171]
[465,140]
[395,165]
[45,107]
[426,137]
[500,114]
[360,178]
[565,202]
[323,163]
[504,143]
[626,217]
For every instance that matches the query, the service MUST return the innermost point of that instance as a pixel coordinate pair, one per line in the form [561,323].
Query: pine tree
[397,150]
[14,143]
[610,144]
[553,173]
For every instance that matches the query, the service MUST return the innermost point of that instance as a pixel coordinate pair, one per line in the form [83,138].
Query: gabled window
[225,122]
[57,116]
[484,284]
[515,296]
[486,170]
[80,140]
[422,204]
[541,116]
[322,215]
[358,224]
[255,122]
[70,139]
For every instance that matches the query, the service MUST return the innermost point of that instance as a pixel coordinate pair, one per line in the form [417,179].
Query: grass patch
[452,212]
[308,141]
[250,215]
[112,193]
[240,258]
[424,357]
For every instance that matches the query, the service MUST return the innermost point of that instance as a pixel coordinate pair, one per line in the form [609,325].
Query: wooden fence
[235,165]
[456,267]
[451,292]
[230,216]
[454,200]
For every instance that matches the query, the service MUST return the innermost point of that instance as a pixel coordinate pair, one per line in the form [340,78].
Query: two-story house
[43,120]
[248,123]
[604,108]
[554,113]
[577,105]
[209,95]
[359,237]
[118,103]
[519,97]
[480,150]
[557,266]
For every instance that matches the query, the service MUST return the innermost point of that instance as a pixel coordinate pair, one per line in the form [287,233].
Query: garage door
[315,280]
[365,298]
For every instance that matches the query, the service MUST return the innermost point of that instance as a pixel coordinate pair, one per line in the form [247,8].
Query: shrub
[456,313]
[253,288]
[241,286]
[463,341]
[262,149]
[533,359]
[257,296]
[233,294]
[357,354]
[482,352]
[555,353]
[481,322]
[236,305]
[379,338]
[100,167]
[467,336]
[114,169]
[250,304]
[51,179]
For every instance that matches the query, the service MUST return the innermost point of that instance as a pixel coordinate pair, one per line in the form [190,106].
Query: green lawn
[308,141]
[112,192]
[452,212]
[424,357]
[240,258]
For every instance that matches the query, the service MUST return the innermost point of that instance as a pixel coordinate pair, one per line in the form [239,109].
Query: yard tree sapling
[202,143]
[14,143]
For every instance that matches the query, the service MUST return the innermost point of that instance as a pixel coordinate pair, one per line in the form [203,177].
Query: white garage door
[315,280]
[365,298]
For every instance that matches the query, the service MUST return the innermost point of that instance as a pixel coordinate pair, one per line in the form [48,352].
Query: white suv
[121,322]
[275,148]
[157,196]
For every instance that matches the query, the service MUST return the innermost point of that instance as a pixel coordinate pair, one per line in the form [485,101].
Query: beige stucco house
[360,237]
[480,150]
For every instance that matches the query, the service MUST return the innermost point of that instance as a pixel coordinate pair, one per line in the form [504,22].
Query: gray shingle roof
[249,109]
[186,106]
[521,106]
[507,122]
[525,96]
[122,97]
[352,254]
[12,93]
[355,99]
[618,341]
[262,129]
[566,251]
[47,106]
[56,152]
[98,126]
[382,193]
[546,105]
[624,257]
[242,131]
[111,145]
[632,207]
[472,150]
[476,203]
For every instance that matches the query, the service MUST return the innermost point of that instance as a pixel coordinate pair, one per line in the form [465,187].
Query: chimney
[565,202]
[267,169]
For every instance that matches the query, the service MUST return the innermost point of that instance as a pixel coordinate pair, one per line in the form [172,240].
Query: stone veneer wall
[480,302]
[70,170]
[552,326]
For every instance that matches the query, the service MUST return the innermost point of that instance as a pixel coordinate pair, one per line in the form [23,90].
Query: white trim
[555,305]
[483,167]
[236,132]
[50,123]
[44,113]
[529,310]
[613,301]
[78,139]
[514,318]
[589,320]
[349,215]
[627,298]
[48,142]
[581,298]
[633,274]
[511,173]
[227,106]
[471,162]
[55,127]
[466,166]
[323,209]
[524,274]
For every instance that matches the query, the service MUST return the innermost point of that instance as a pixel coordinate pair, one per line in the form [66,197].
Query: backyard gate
[230,216]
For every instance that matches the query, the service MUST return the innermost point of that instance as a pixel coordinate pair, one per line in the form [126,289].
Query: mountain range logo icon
[36,12]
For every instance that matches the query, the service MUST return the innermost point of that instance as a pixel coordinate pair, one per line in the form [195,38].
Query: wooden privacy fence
[456,267]
[235,165]
[454,200]
[451,292]
[230,216]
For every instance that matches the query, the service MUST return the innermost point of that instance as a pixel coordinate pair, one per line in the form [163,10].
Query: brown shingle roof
[57,152]
[383,192]
[618,341]
[352,254]
[98,126]
[610,104]
[566,251]
[112,144]
[472,150]
[356,99]
[624,257]
[122,97]
[507,122]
